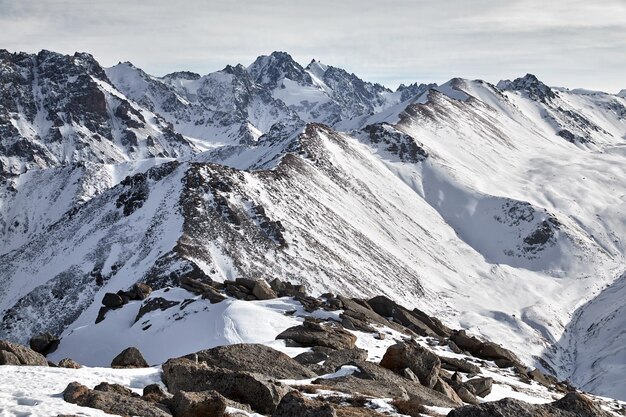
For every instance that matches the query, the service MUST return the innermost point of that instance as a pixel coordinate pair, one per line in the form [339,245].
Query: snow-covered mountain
[499,208]
[58,109]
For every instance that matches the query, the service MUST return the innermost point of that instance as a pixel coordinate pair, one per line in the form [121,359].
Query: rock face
[294,404]
[129,358]
[244,387]
[571,405]
[255,358]
[421,361]
[311,333]
[14,354]
[112,400]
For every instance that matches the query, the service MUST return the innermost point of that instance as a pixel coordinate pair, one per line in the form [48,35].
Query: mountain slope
[448,198]
[57,109]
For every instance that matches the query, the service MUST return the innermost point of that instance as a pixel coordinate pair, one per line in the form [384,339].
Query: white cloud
[565,42]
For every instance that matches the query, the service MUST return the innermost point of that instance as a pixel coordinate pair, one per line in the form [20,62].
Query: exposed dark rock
[461,365]
[479,386]
[377,381]
[541,378]
[129,358]
[154,304]
[571,405]
[255,358]
[112,400]
[503,358]
[198,404]
[244,387]
[420,360]
[389,309]
[444,388]
[316,334]
[112,300]
[14,354]
[295,404]
[44,343]
[311,358]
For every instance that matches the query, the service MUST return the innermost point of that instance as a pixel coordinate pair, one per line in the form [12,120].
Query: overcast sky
[572,43]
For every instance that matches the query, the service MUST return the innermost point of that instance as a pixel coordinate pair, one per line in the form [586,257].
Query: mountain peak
[622,93]
[529,84]
[270,69]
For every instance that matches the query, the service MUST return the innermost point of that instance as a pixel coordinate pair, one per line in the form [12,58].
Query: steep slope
[57,109]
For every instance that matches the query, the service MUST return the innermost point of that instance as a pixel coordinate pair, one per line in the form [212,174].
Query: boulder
[373,380]
[154,393]
[263,291]
[140,291]
[459,365]
[337,358]
[571,405]
[311,333]
[470,344]
[198,404]
[390,309]
[255,358]
[479,386]
[213,296]
[444,388]
[311,358]
[295,404]
[14,354]
[69,363]
[246,282]
[112,401]
[116,389]
[112,300]
[44,343]
[421,361]
[129,358]
[261,394]
[493,351]
[465,394]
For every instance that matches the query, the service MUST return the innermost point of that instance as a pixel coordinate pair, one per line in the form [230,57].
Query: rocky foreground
[424,368]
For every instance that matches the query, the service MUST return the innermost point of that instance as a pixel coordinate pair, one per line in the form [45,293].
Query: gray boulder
[571,405]
[261,394]
[479,386]
[255,358]
[295,404]
[112,401]
[198,404]
[311,334]
[376,381]
[263,291]
[421,361]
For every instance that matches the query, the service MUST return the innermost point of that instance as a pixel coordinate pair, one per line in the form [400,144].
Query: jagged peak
[270,69]
[622,93]
[529,84]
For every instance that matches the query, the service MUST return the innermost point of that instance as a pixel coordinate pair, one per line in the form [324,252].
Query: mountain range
[499,208]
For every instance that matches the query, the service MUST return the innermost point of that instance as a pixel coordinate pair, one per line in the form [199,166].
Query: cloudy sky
[572,43]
